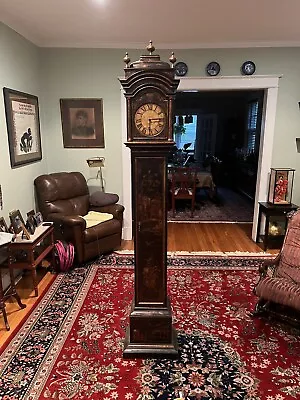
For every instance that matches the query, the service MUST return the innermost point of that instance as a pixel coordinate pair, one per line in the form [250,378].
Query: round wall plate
[213,68]
[248,68]
[181,68]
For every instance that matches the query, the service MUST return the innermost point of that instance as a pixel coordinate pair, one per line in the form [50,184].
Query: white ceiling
[169,24]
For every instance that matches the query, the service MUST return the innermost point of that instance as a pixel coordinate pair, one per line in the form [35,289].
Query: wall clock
[248,68]
[150,88]
[181,68]
[213,68]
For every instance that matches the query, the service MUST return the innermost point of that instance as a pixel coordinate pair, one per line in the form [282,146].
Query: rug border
[26,316]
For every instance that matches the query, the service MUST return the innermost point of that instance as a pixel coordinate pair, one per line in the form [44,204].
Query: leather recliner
[64,199]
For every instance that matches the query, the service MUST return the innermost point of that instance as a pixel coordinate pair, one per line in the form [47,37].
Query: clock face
[248,68]
[181,69]
[150,119]
[213,68]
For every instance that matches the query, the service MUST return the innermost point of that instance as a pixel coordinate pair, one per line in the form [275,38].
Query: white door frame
[269,83]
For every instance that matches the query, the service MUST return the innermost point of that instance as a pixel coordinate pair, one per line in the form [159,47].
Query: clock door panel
[150,230]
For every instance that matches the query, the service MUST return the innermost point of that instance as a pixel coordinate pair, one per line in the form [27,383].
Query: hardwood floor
[187,237]
[208,237]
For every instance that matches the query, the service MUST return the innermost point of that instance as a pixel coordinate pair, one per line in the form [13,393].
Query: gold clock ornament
[150,119]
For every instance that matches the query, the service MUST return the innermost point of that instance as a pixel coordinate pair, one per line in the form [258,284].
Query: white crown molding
[164,46]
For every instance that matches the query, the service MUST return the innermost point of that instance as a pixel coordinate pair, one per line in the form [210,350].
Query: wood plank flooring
[181,237]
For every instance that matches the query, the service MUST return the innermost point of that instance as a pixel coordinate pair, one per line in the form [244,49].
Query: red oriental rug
[70,347]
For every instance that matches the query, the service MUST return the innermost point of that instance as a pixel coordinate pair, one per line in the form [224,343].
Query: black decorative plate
[181,68]
[248,68]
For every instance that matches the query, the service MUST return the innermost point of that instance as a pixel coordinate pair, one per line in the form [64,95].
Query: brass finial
[126,60]
[172,59]
[150,47]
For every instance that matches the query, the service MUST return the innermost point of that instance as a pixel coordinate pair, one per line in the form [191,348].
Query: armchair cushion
[100,199]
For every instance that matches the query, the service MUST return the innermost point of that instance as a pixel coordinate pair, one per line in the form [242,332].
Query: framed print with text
[23,127]
[82,122]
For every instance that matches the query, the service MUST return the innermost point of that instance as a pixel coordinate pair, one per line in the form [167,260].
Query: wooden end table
[272,210]
[11,292]
[28,254]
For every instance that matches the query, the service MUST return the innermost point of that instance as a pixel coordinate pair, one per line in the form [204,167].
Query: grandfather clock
[150,89]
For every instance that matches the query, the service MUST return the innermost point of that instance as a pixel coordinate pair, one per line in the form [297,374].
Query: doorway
[268,83]
[223,129]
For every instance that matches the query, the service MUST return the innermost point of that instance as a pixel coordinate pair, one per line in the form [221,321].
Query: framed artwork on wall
[23,127]
[82,122]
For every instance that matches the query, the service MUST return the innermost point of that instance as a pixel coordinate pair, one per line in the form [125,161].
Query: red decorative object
[281,185]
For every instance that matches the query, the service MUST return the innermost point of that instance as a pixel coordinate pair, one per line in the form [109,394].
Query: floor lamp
[97,162]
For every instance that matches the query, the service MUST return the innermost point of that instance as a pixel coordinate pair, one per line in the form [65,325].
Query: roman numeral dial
[150,119]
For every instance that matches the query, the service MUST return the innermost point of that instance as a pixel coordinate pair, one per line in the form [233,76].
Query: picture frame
[30,224]
[3,226]
[23,127]
[82,123]
[17,221]
[38,219]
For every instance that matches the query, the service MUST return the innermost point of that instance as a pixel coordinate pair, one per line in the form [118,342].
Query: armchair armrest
[67,220]
[269,264]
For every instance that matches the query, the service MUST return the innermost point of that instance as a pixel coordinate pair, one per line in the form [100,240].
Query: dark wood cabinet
[273,214]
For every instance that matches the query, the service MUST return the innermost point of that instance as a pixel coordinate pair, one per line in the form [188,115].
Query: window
[189,136]
[252,125]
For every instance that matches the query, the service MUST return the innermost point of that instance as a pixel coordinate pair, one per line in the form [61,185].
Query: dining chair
[183,186]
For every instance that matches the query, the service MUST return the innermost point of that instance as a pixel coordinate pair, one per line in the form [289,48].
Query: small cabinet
[275,223]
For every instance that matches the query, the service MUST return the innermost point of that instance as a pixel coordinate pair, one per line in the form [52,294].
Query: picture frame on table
[82,123]
[30,224]
[3,225]
[38,219]
[17,221]
[18,224]
[23,127]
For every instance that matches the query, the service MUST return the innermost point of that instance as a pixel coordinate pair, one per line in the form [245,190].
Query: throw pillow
[103,199]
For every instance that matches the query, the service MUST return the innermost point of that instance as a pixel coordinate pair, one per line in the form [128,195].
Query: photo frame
[82,123]
[17,221]
[23,127]
[38,218]
[3,226]
[30,224]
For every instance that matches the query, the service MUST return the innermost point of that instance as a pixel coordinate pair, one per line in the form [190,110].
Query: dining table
[204,179]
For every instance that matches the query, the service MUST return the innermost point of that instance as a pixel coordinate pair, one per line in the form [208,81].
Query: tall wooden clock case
[150,87]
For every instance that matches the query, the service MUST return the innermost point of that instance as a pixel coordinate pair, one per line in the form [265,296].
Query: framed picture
[38,218]
[23,127]
[30,224]
[17,221]
[3,226]
[31,213]
[82,122]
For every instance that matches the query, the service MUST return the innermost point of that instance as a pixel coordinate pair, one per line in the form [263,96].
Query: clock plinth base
[150,334]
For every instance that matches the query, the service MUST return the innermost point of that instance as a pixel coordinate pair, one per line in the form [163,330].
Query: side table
[272,210]
[11,292]
[28,254]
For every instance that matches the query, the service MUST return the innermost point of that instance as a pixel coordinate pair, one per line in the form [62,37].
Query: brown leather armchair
[64,198]
[278,287]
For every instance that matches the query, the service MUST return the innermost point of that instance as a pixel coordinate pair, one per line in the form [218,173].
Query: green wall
[52,74]
[19,70]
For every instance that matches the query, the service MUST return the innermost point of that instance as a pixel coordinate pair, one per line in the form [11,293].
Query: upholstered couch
[64,198]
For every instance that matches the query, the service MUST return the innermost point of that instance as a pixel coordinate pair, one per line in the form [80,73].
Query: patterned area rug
[228,206]
[71,345]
